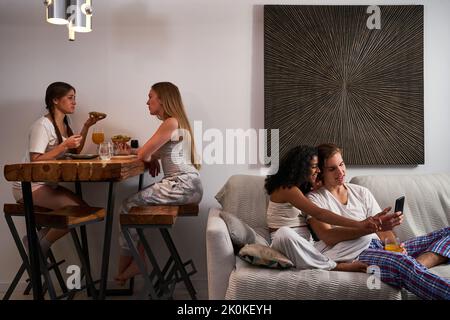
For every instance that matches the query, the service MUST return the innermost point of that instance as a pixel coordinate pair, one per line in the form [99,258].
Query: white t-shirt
[361,204]
[42,138]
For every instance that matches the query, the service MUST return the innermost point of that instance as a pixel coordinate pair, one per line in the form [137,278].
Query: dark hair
[57,90]
[293,170]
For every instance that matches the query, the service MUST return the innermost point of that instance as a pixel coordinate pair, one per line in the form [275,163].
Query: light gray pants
[301,251]
[182,189]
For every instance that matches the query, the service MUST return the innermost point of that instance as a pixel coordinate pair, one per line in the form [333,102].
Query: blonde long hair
[171,102]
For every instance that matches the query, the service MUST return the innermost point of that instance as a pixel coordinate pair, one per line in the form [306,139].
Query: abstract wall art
[351,75]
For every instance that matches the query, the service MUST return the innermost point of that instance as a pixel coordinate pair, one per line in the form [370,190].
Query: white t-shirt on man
[361,204]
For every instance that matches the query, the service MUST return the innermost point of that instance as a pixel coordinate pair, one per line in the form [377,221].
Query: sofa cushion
[249,282]
[261,255]
[427,200]
[240,232]
[245,196]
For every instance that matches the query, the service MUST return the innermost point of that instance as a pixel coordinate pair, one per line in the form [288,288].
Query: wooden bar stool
[160,282]
[70,217]
[73,217]
[12,210]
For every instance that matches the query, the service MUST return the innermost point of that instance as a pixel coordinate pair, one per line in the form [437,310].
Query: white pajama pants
[181,189]
[301,251]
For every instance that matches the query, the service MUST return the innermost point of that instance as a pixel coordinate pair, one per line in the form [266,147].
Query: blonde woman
[181,182]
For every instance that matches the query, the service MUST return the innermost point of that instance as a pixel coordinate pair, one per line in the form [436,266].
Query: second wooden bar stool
[160,282]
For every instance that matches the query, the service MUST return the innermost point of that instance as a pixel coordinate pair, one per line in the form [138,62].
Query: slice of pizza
[98,115]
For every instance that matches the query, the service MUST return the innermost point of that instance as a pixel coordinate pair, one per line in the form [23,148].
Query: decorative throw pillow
[240,232]
[261,255]
[245,195]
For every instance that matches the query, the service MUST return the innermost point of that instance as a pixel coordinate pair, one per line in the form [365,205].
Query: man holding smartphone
[407,269]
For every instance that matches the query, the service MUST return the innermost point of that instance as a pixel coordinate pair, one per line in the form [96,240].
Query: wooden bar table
[114,170]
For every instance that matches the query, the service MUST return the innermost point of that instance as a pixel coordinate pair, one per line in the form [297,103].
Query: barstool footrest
[169,282]
[191,263]
[71,293]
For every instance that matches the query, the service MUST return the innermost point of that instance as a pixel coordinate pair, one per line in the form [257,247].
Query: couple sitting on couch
[297,200]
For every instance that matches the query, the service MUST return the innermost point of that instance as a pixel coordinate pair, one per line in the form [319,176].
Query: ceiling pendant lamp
[80,15]
[56,11]
[76,14]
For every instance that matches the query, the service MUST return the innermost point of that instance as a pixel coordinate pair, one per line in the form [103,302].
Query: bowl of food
[121,146]
[120,138]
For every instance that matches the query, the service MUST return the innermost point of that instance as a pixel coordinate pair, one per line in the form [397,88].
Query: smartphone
[399,203]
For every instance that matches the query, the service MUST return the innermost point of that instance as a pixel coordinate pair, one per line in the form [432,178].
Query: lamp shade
[56,11]
[80,15]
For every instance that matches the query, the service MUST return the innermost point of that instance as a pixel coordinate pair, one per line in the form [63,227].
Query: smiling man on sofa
[408,269]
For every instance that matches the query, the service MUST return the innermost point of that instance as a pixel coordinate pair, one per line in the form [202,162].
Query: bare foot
[355,266]
[121,282]
[130,272]
[124,263]
[431,259]
[128,268]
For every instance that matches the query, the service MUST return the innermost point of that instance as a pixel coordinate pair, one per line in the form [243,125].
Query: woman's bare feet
[128,268]
[355,266]
[124,263]
[130,272]
[119,280]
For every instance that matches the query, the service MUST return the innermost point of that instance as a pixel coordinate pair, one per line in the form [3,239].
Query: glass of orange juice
[98,136]
[392,245]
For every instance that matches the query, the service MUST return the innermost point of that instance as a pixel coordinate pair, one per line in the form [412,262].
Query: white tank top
[284,215]
[173,159]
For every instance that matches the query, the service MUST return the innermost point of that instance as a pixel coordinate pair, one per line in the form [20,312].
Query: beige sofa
[427,208]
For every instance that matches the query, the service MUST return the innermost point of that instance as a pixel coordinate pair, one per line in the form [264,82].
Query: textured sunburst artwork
[329,78]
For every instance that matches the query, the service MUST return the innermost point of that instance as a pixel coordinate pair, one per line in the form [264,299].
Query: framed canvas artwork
[350,75]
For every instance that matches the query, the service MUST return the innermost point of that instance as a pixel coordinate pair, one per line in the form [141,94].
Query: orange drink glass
[98,136]
[392,245]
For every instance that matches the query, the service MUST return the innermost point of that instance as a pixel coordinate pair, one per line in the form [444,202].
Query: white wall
[212,49]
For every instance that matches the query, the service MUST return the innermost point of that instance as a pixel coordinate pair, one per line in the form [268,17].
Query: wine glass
[98,136]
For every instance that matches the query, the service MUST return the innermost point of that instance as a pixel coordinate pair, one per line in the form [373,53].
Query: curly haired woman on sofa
[288,207]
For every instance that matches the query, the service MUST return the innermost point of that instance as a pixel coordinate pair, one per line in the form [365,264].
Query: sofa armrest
[219,255]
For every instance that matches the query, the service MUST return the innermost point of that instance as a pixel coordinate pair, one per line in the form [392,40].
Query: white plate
[128,156]
[81,156]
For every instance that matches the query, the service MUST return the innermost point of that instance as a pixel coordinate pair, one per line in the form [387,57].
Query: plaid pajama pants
[404,271]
